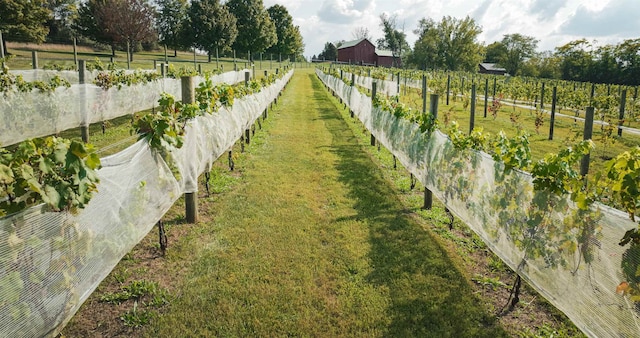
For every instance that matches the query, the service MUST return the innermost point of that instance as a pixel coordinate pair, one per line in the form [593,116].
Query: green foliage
[450,44]
[135,317]
[210,26]
[289,39]
[135,290]
[119,78]
[557,173]
[493,282]
[513,152]
[622,175]
[394,39]
[329,53]
[256,31]
[54,171]
[10,82]
[517,48]
[24,20]
[172,16]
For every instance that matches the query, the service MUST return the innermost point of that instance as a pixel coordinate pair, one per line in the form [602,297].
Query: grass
[535,317]
[62,55]
[313,234]
[313,241]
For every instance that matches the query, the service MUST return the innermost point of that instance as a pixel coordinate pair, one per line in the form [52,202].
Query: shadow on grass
[429,296]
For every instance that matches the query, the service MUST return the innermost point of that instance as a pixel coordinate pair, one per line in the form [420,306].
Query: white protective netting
[51,262]
[46,75]
[37,114]
[546,239]
[386,87]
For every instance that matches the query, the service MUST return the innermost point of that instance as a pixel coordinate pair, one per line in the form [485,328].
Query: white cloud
[619,18]
[553,22]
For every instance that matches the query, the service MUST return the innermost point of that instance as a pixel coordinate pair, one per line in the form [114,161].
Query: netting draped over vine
[36,114]
[51,262]
[386,87]
[570,256]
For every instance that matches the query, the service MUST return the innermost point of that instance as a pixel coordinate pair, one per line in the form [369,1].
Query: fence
[570,256]
[51,262]
[35,114]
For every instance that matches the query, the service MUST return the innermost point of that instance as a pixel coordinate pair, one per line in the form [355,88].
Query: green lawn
[314,242]
[311,235]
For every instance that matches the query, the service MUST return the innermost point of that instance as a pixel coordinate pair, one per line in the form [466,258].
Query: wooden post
[486,96]
[542,97]
[195,61]
[424,94]
[191,199]
[494,88]
[623,102]
[128,55]
[398,86]
[75,52]
[84,125]
[593,93]
[1,47]
[374,91]
[433,110]
[246,79]
[588,132]
[472,120]
[553,111]
[163,69]
[217,59]
[353,83]
[234,56]
[166,57]
[448,87]
[34,59]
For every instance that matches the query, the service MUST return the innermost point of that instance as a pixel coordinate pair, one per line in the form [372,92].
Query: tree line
[244,26]
[452,44]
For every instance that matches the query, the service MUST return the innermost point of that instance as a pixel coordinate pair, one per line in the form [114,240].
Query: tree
[59,23]
[628,56]
[394,39]
[289,39]
[211,26]
[361,33]
[450,44]
[171,17]
[576,59]
[517,48]
[22,20]
[117,22]
[544,65]
[330,52]
[495,52]
[256,31]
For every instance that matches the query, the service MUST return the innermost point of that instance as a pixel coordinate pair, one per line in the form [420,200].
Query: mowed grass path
[314,242]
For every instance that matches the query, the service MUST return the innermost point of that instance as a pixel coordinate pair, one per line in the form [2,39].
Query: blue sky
[553,22]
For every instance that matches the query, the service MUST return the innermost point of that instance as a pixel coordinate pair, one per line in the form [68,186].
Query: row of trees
[241,25]
[452,44]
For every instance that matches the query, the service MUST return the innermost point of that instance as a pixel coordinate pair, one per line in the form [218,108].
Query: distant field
[62,56]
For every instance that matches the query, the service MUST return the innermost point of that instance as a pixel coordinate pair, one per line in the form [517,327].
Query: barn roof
[492,67]
[382,52]
[352,43]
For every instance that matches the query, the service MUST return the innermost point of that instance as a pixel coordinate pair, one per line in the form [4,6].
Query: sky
[552,22]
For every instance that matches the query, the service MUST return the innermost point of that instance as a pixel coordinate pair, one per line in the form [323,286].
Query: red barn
[357,52]
[386,59]
[363,52]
